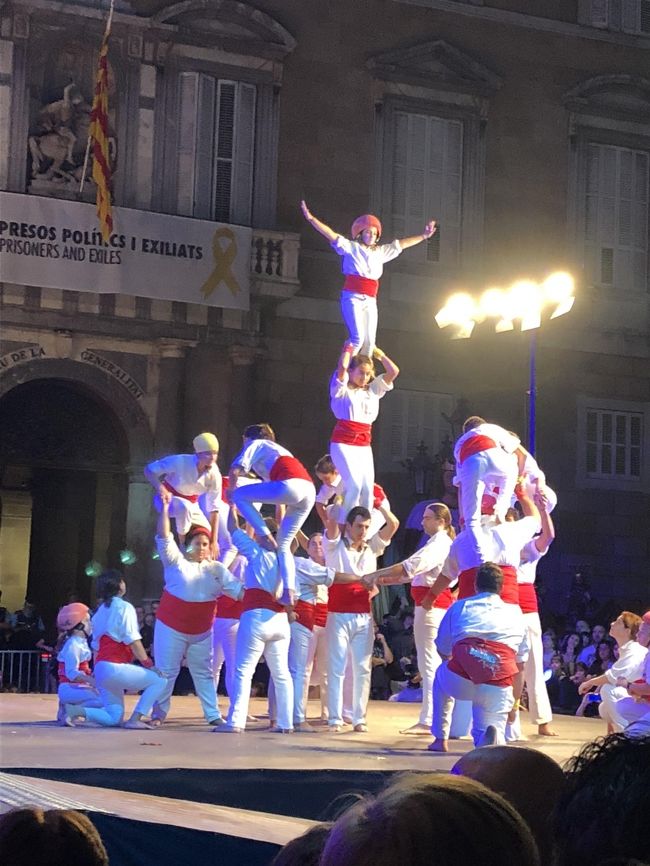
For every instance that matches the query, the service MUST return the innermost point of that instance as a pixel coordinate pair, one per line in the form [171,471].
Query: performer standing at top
[285,481]
[187,477]
[355,393]
[193,581]
[363,264]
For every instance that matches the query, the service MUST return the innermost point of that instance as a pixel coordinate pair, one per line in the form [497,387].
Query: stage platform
[181,784]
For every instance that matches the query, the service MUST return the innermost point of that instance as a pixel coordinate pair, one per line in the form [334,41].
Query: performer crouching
[184,618]
[349,618]
[116,641]
[263,630]
[76,681]
[483,642]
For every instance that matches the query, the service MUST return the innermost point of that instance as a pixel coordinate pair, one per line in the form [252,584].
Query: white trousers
[224,642]
[262,632]
[185,513]
[170,647]
[490,704]
[493,467]
[298,667]
[297,495]
[539,706]
[425,630]
[351,632]
[112,680]
[317,664]
[619,709]
[360,316]
[82,696]
[356,466]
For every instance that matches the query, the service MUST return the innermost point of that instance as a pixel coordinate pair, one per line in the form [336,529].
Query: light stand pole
[532,391]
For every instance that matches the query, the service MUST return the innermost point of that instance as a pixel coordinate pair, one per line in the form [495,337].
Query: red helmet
[71,615]
[366,221]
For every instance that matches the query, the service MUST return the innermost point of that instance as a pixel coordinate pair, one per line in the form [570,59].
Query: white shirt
[529,557]
[73,652]
[357,404]
[365,261]
[194,581]
[259,456]
[484,615]
[180,470]
[328,490]
[424,566]
[500,544]
[341,557]
[119,621]
[261,570]
[629,664]
[310,576]
[501,438]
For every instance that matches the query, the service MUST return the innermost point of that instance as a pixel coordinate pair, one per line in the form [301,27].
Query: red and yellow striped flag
[99,136]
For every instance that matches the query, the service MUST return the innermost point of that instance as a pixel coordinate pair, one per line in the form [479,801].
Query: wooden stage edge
[30,739]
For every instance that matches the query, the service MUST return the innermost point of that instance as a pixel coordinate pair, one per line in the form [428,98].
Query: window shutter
[205,130]
[630,16]
[599,13]
[395,425]
[244,148]
[187,115]
[644,17]
[224,154]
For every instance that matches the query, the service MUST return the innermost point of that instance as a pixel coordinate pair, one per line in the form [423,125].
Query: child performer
[421,569]
[285,481]
[332,487]
[190,477]
[76,682]
[193,581]
[363,264]
[354,398]
[116,641]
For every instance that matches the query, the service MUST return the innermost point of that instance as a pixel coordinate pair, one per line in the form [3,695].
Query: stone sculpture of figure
[58,126]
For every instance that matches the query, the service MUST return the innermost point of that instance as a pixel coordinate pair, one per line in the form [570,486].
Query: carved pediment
[227,21]
[627,95]
[436,64]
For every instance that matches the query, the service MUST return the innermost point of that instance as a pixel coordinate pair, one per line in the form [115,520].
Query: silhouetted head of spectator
[57,837]
[306,849]
[509,772]
[603,811]
[428,819]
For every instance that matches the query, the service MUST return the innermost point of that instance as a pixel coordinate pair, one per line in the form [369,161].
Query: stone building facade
[522,126]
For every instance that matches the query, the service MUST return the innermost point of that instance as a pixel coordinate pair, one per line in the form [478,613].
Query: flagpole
[109,21]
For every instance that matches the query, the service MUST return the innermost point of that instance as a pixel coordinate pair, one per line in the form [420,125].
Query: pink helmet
[366,221]
[71,615]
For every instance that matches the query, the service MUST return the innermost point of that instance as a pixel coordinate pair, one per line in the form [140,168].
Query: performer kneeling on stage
[76,681]
[184,618]
[483,640]
[116,641]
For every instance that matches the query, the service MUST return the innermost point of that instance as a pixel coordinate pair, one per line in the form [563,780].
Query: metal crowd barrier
[25,670]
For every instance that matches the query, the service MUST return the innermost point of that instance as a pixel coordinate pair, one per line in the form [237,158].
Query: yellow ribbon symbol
[223,260]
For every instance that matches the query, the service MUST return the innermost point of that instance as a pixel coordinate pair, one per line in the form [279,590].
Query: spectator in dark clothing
[403,643]
[27,628]
[381,659]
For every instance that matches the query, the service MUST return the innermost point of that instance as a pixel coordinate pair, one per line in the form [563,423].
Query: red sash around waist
[527,597]
[320,614]
[174,492]
[509,591]
[483,661]
[259,598]
[361,285]
[285,468]
[306,614]
[473,445]
[188,617]
[113,651]
[84,667]
[348,598]
[228,608]
[352,433]
[444,600]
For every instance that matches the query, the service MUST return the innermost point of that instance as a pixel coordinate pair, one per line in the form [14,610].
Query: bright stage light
[504,325]
[492,303]
[458,310]
[524,299]
[558,287]
[464,330]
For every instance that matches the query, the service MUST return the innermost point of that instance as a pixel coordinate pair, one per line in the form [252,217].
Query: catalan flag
[99,137]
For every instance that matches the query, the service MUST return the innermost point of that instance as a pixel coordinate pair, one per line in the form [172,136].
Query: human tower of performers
[477,630]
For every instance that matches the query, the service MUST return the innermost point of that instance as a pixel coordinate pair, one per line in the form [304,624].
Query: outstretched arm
[163,529]
[391,368]
[545,539]
[429,229]
[391,526]
[320,227]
